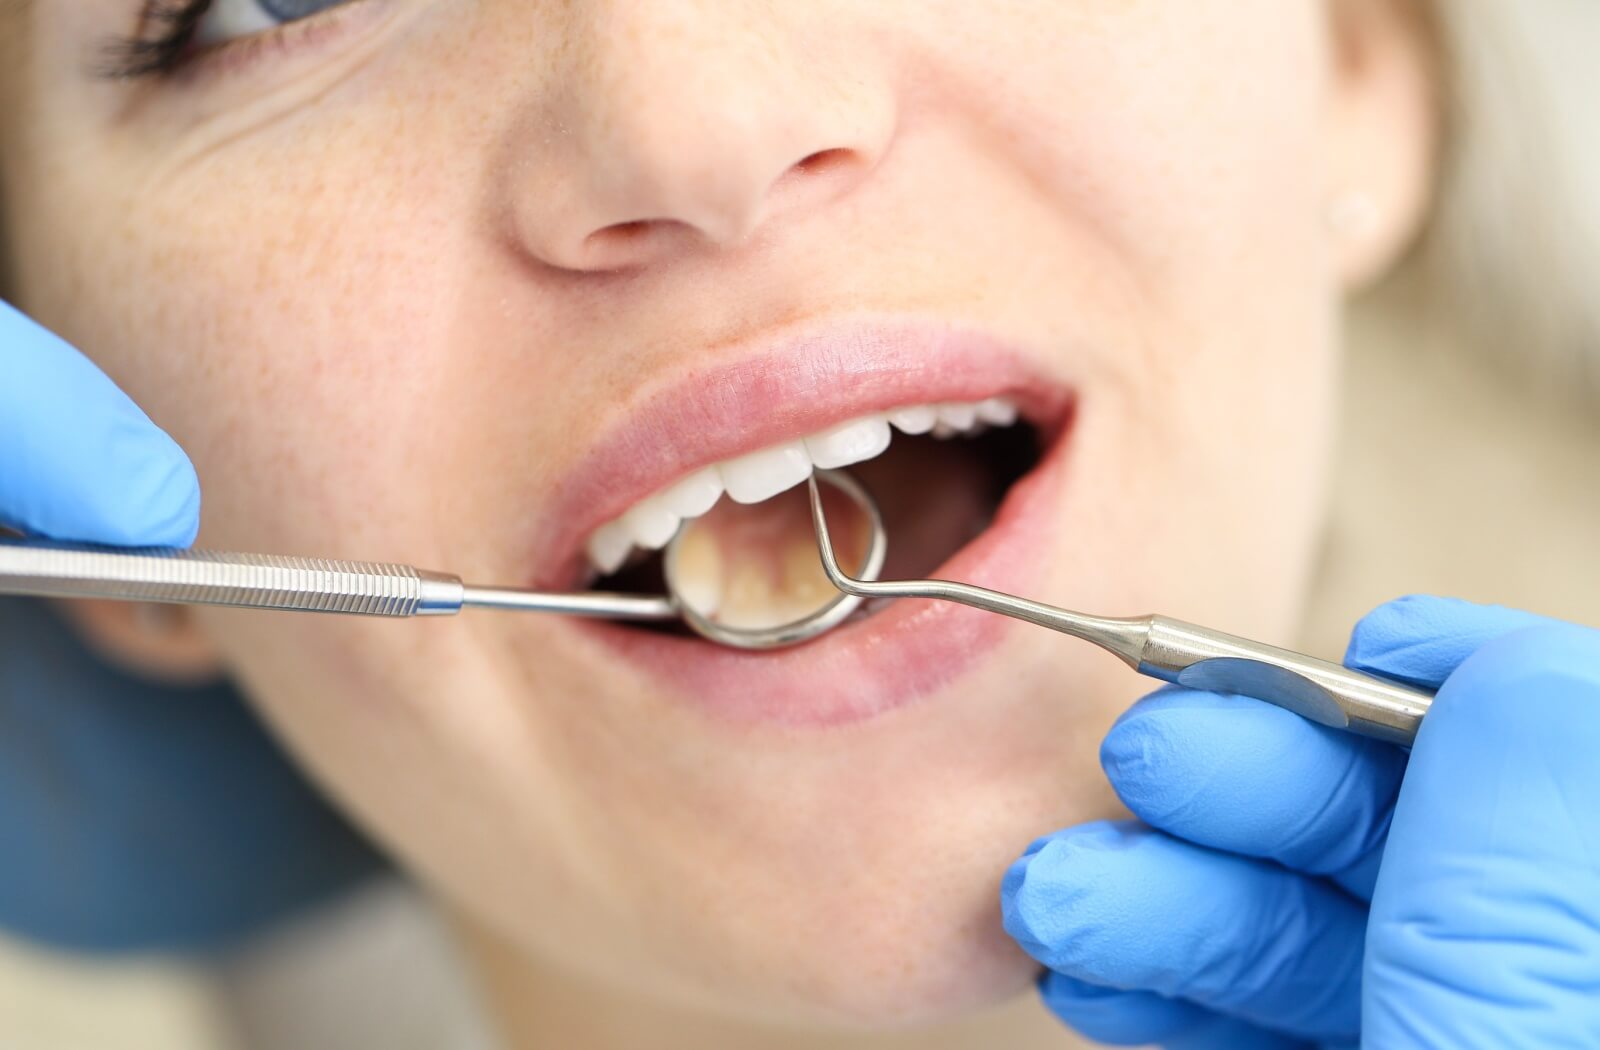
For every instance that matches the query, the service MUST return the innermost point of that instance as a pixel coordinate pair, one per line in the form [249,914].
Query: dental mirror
[749,576]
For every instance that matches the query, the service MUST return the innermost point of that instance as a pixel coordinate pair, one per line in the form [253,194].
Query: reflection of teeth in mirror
[750,578]
[698,574]
[756,476]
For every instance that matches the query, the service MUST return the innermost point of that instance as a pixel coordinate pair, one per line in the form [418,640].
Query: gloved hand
[132,816]
[78,460]
[1290,885]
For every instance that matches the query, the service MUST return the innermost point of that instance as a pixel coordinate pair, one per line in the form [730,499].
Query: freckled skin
[366,282]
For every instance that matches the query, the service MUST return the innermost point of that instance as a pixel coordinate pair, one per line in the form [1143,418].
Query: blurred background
[1487,481]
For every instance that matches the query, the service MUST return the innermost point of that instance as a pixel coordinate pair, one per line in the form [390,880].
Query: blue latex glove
[78,460]
[131,816]
[1289,885]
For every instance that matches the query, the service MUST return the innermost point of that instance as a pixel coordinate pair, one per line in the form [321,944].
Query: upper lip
[778,387]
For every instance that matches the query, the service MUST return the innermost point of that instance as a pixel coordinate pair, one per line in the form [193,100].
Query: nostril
[823,164]
[625,244]
[817,177]
[622,235]
[623,232]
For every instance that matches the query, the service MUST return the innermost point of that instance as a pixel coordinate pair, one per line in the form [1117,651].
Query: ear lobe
[1384,128]
[159,642]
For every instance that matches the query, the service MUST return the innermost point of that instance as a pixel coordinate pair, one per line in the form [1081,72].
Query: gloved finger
[78,460]
[1485,926]
[1119,1018]
[1244,776]
[1117,904]
[1421,639]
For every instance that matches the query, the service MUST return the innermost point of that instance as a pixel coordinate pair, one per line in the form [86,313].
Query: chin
[906,964]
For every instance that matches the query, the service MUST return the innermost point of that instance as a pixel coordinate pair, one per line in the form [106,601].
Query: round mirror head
[750,576]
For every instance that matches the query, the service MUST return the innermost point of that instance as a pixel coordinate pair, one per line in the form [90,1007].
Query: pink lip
[758,395]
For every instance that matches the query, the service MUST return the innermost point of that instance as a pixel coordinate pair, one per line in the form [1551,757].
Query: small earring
[1351,214]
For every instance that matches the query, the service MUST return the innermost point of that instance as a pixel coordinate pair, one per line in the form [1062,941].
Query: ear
[1384,118]
[159,642]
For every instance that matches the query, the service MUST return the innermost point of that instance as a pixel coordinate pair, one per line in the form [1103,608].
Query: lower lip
[901,654]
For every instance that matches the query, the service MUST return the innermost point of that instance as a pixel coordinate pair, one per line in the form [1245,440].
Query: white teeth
[997,411]
[649,523]
[695,494]
[609,546]
[762,475]
[916,419]
[957,416]
[757,476]
[847,443]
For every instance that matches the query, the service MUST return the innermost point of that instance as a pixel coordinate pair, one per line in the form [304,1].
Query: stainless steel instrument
[1158,646]
[1175,651]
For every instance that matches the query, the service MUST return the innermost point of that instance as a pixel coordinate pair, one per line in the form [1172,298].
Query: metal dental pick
[1175,651]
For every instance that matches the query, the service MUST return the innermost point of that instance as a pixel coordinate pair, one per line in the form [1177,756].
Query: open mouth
[938,473]
[962,438]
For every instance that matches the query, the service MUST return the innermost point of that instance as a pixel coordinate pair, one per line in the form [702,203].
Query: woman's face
[455,284]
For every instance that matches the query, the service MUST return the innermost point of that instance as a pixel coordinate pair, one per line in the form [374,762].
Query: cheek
[1176,120]
[317,344]
[1181,147]
[1183,142]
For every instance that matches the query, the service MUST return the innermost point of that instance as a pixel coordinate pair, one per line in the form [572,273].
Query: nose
[675,126]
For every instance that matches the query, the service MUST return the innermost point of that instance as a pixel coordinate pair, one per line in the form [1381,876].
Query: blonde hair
[1504,261]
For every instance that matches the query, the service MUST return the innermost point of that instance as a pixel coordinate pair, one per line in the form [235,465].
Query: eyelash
[165,33]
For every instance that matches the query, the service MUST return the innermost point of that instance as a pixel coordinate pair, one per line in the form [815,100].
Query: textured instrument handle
[261,581]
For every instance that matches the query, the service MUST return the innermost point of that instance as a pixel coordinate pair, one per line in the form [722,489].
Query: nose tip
[668,129]
[712,207]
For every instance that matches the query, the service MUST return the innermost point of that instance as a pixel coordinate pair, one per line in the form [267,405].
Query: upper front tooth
[847,443]
[915,419]
[649,523]
[762,475]
[997,410]
[957,415]
[695,494]
[609,547]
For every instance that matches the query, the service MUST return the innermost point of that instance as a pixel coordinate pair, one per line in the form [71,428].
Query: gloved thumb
[1485,922]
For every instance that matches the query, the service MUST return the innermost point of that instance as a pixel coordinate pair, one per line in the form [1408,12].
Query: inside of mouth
[758,566]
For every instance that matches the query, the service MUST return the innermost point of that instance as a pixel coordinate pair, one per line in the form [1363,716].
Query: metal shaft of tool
[269,581]
[1175,651]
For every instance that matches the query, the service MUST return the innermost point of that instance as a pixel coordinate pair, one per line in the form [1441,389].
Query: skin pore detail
[394,282]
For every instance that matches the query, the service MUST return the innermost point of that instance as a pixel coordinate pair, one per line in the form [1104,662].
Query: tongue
[757,566]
